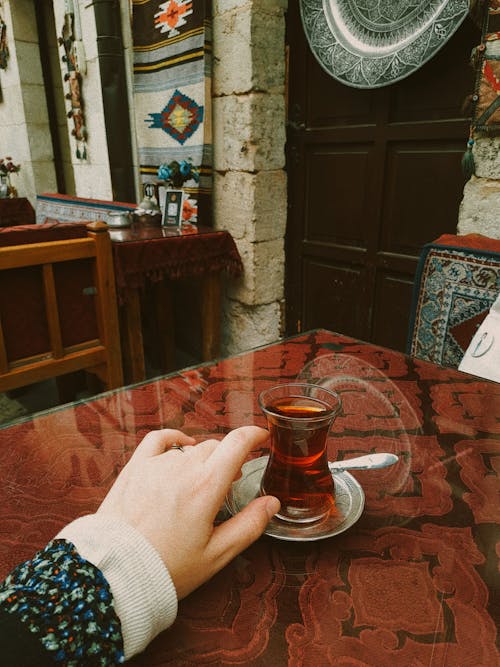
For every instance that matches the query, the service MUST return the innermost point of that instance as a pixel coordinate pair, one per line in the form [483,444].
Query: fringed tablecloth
[149,254]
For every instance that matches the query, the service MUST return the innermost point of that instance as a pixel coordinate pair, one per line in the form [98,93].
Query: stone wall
[24,121]
[480,208]
[92,176]
[249,161]
[24,125]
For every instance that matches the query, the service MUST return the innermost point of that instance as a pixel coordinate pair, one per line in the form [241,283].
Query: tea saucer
[349,504]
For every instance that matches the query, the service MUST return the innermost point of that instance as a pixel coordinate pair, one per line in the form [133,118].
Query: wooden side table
[155,258]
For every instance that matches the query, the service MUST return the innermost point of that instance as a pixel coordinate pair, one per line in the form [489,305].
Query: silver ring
[179,447]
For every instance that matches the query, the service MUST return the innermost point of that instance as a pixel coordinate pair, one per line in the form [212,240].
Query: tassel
[468,166]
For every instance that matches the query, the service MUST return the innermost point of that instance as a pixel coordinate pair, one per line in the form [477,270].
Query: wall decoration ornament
[485,101]
[74,59]
[179,118]
[4,49]
[173,15]
[373,43]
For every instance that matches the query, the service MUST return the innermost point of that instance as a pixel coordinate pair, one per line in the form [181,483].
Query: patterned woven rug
[454,290]
[172,83]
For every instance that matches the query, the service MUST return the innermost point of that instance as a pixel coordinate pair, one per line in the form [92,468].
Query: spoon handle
[368,462]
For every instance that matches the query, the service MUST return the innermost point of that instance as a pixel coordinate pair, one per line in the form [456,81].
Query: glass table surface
[415,581]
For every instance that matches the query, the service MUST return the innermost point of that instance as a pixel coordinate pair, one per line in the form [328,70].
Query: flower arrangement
[8,167]
[177,173]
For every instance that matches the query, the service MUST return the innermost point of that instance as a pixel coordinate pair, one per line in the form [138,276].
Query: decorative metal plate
[349,504]
[373,43]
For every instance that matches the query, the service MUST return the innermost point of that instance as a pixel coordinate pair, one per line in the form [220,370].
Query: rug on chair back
[457,281]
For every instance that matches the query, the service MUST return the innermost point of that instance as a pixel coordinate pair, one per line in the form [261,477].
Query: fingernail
[272,507]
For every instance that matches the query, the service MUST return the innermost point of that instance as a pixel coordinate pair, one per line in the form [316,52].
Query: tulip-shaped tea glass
[299,417]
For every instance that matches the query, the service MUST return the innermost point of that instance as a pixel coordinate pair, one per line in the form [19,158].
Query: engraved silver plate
[373,43]
[349,502]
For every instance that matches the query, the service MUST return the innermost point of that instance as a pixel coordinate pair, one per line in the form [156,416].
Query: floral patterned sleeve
[65,602]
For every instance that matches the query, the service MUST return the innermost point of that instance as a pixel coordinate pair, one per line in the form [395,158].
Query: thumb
[236,534]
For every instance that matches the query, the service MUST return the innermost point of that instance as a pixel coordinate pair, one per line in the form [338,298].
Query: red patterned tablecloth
[414,582]
[143,254]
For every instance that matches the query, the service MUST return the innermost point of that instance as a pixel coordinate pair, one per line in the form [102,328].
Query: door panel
[373,175]
[423,179]
[392,294]
[330,215]
[325,305]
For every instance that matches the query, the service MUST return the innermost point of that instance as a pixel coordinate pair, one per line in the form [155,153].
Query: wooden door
[373,176]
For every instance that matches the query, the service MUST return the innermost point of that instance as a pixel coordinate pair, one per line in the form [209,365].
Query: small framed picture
[172,211]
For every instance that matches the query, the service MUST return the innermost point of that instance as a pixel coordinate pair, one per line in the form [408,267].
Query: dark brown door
[373,176]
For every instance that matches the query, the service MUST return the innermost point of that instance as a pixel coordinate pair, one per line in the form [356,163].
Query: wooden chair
[58,310]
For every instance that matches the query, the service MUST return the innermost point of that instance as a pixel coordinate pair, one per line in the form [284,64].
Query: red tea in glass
[299,417]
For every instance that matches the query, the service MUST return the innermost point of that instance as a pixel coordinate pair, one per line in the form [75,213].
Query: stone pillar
[24,120]
[249,160]
[480,207]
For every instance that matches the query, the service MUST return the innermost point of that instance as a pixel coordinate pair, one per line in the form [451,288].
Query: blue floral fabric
[67,603]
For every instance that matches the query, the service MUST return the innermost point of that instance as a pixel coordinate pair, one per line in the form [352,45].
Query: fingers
[229,455]
[236,534]
[157,442]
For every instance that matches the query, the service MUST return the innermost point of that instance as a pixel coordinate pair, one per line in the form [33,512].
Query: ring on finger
[176,446]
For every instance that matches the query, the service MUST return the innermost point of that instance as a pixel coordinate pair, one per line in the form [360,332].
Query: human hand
[172,498]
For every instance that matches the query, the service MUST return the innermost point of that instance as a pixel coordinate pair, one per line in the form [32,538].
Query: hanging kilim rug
[172,83]
[454,289]
[372,43]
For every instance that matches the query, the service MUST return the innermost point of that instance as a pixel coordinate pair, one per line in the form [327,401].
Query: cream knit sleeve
[144,595]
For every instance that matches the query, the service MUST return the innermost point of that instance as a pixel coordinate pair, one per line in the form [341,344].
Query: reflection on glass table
[411,581]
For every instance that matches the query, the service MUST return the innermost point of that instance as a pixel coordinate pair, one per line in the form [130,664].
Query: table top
[412,582]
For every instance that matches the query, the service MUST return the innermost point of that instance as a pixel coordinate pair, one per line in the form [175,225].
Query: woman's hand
[172,498]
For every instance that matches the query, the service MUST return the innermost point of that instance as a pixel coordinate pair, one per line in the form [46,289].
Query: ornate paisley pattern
[368,43]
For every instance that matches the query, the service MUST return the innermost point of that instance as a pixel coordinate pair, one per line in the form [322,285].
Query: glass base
[302,515]
[349,504]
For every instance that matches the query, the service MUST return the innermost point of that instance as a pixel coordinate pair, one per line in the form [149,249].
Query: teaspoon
[367,462]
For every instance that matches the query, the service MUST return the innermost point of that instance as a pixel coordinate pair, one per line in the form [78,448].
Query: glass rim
[333,411]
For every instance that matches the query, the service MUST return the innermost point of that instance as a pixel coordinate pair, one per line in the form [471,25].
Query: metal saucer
[349,501]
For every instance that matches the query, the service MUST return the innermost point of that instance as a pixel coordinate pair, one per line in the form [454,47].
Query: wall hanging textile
[373,43]
[485,111]
[172,88]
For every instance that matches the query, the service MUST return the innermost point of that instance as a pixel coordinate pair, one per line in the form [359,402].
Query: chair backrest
[58,310]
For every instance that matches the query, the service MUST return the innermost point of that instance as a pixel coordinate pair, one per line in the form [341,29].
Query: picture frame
[172,209]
